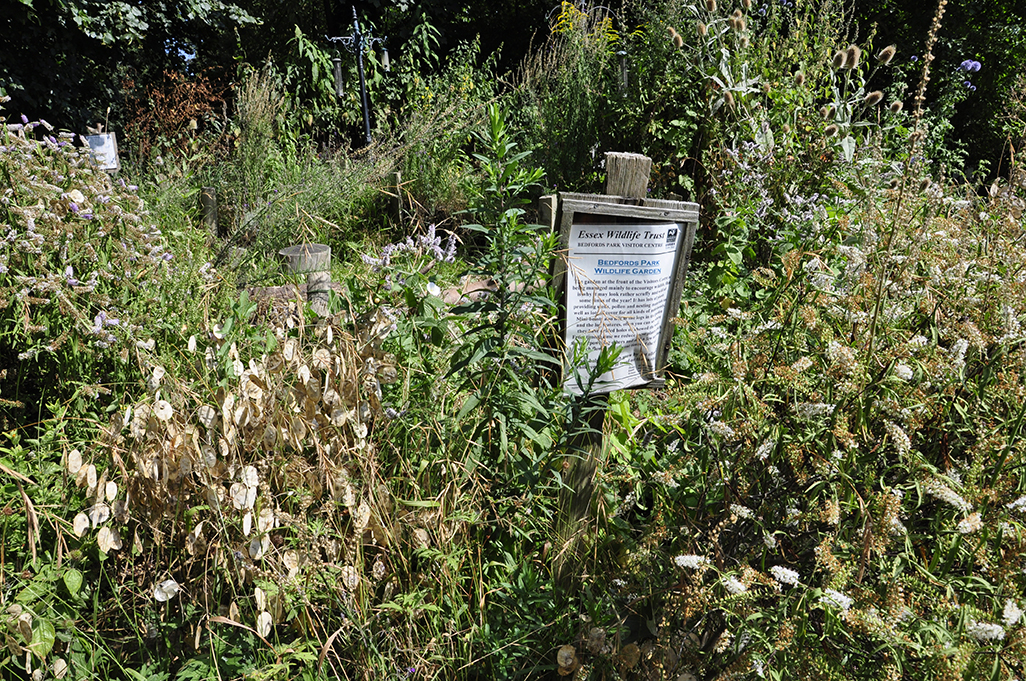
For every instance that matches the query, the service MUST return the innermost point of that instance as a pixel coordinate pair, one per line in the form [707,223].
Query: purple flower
[103,320]
[914,58]
[73,206]
[24,119]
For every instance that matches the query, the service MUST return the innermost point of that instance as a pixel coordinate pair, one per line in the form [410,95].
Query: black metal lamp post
[357,43]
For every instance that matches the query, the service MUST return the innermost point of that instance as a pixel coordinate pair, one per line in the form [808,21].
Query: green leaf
[73,580]
[469,406]
[35,590]
[43,635]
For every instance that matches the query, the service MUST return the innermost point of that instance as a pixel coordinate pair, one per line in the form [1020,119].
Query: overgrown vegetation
[203,481]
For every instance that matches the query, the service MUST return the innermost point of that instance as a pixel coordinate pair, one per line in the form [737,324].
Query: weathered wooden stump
[313,260]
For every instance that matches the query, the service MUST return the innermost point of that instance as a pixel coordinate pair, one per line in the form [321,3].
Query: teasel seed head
[710,5]
[745,42]
[799,79]
[678,41]
[896,106]
[887,54]
[786,129]
[852,56]
[728,98]
[838,60]
[702,29]
[831,130]
[873,98]
[766,89]
[747,4]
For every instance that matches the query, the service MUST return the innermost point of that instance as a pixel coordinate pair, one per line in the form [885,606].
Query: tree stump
[313,260]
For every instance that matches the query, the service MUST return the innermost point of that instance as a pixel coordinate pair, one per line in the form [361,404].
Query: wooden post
[208,208]
[313,260]
[627,174]
[396,202]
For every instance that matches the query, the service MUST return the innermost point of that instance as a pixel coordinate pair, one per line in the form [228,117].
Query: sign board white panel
[104,149]
[618,281]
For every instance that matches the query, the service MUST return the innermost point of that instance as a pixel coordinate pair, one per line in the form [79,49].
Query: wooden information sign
[621,283]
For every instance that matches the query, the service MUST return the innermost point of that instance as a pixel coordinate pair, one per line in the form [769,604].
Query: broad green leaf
[43,635]
[73,580]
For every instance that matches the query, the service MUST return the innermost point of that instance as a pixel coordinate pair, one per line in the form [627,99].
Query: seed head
[831,130]
[673,31]
[745,42]
[873,98]
[887,54]
[747,4]
[896,106]
[799,79]
[702,30]
[893,184]
[728,98]
[838,60]
[736,14]
[766,89]
[924,184]
[710,5]
[786,129]
[852,57]
[678,41]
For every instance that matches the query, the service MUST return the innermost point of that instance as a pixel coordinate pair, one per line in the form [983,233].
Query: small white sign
[619,278]
[104,149]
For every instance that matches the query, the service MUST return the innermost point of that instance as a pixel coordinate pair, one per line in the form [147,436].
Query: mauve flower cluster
[429,243]
[73,236]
